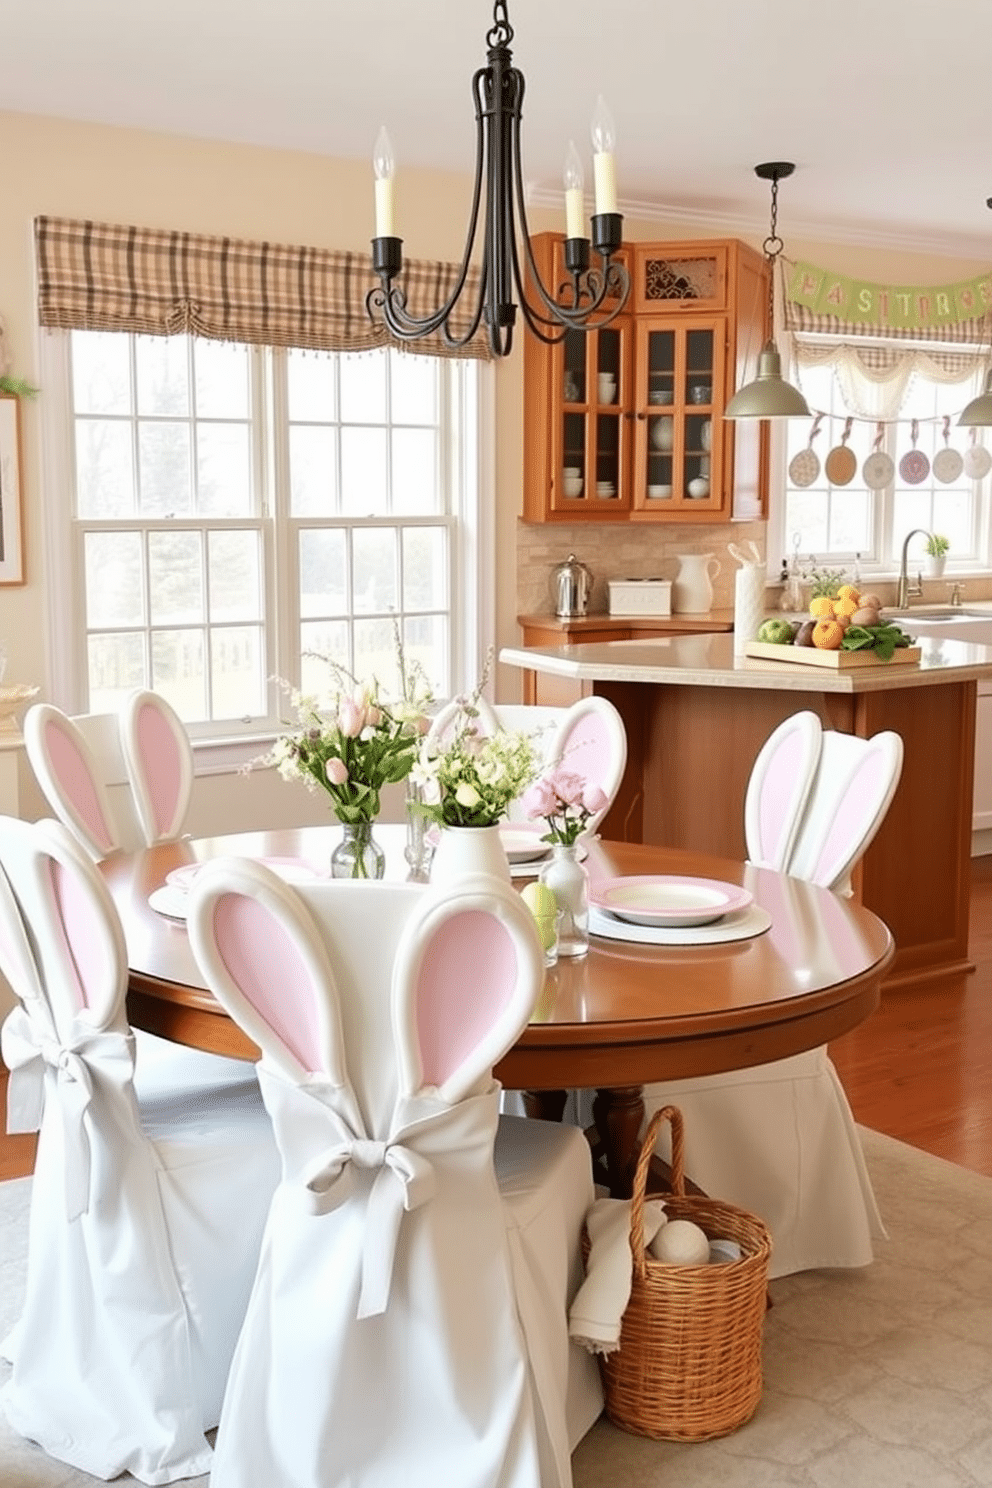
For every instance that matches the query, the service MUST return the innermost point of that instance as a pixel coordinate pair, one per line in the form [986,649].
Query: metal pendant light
[978,413]
[594,297]
[769,395]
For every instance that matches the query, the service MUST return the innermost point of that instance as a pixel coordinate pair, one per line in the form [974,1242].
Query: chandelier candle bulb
[384,166]
[604,167]
[574,183]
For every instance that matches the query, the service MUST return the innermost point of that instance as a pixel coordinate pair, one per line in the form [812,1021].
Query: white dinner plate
[668,900]
[742,924]
[522,843]
[290,870]
[169,901]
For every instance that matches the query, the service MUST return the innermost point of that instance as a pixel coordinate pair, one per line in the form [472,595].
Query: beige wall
[129,176]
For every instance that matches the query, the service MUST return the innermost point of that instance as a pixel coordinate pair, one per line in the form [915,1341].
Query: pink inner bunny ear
[91,978]
[266,964]
[76,781]
[162,762]
[467,978]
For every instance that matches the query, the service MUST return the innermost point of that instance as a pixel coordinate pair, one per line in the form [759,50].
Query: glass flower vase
[357,855]
[568,880]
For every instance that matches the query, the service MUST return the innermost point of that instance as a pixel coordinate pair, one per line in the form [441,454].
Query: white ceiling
[882,104]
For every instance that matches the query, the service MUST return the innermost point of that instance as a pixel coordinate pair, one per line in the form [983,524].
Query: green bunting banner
[892,306]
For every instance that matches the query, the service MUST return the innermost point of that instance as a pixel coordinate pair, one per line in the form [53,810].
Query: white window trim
[473,608]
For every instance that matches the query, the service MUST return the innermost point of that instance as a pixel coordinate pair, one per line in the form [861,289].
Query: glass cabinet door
[678,369]
[591,443]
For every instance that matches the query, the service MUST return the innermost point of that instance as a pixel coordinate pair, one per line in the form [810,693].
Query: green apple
[543,905]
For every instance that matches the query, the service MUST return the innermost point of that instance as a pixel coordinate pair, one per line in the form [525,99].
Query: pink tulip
[351,718]
[336,771]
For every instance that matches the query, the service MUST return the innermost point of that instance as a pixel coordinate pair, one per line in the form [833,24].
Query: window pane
[175,577]
[329,638]
[363,388]
[323,573]
[114,580]
[163,455]
[424,568]
[311,379]
[116,667]
[101,372]
[235,576]
[104,469]
[221,372]
[363,472]
[236,672]
[414,387]
[178,671]
[312,472]
[426,639]
[223,470]
[162,371]
[373,558]
[415,483]
[375,654]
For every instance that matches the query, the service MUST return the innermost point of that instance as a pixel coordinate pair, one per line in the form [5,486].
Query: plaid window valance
[95,276]
[973,332]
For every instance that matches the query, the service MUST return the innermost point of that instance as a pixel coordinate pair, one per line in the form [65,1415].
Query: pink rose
[336,771]
[351,718]
[594,799]
[539,800]
[568,787]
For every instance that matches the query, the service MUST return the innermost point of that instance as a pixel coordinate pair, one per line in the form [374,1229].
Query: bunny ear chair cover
[382,1340]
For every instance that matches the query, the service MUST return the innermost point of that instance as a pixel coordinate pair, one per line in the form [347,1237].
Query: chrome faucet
[903,591]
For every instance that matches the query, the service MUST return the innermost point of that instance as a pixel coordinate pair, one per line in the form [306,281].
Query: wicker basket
[689,1362]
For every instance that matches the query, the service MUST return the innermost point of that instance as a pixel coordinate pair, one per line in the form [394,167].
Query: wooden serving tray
[837,661]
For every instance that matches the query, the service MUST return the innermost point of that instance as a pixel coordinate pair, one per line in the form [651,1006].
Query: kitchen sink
[937,612]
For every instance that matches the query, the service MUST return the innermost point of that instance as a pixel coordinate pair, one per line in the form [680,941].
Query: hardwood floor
[920,1069]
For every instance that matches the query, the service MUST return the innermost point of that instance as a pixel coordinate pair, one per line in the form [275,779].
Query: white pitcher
[692,591]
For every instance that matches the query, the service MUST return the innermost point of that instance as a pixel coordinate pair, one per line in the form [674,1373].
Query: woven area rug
[877,1378]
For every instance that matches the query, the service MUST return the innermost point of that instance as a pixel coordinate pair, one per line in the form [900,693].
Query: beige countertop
[709,661]
[714,620]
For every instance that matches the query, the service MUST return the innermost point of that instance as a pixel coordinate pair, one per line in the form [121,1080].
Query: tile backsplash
[621,550]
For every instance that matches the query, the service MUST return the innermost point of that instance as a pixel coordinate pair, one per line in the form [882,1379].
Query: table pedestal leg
[545,1105]
[619,1115]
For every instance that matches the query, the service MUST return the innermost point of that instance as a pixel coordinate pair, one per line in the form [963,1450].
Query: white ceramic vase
[567,879]
[935,565]
[463,851]
[692,591]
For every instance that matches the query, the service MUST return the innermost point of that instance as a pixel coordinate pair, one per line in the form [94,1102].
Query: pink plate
[291,870]
[668,900]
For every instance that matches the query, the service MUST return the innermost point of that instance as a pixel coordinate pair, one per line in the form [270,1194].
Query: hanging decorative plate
[804,467]
[841,464]
[914,466]
[947,463]
[879,470]
[977,460]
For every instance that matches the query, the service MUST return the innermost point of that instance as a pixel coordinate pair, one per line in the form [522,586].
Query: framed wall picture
[11,538]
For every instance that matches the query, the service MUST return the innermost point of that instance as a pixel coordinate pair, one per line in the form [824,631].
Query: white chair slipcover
[145,1221]
[115,780]
[387,1338]
[779,1139]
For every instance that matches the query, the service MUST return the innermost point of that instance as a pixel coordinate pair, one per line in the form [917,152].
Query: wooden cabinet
[981,820]
[626,422]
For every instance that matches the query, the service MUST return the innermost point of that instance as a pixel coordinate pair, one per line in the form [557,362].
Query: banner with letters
[889,306]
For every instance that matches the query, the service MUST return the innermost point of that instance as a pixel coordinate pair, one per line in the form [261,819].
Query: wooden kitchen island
[696,716]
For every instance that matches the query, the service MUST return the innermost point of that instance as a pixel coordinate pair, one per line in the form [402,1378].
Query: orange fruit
[828,634]
[822,607]
[845,605]
[847,591]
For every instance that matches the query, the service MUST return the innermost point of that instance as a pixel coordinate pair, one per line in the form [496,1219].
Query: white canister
[749,604]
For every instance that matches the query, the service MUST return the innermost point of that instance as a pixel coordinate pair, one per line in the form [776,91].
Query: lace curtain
[874,380]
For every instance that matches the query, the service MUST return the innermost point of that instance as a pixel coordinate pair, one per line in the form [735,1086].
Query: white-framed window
[218,511]
[841,524]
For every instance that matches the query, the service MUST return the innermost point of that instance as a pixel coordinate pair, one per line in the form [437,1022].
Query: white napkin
[595,1315]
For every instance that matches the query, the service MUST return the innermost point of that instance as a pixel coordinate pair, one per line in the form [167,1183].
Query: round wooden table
[625,1014]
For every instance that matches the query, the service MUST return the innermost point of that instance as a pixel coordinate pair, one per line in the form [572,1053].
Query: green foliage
[825,582]
[18,387]
[937,545]
[884,640]
[470,778]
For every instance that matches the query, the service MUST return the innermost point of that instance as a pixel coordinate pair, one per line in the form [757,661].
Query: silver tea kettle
[572,583]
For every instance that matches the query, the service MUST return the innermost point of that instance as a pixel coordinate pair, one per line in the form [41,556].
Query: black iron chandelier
[590,299]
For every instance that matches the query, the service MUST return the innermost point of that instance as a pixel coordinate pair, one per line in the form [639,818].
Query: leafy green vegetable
[882,639]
